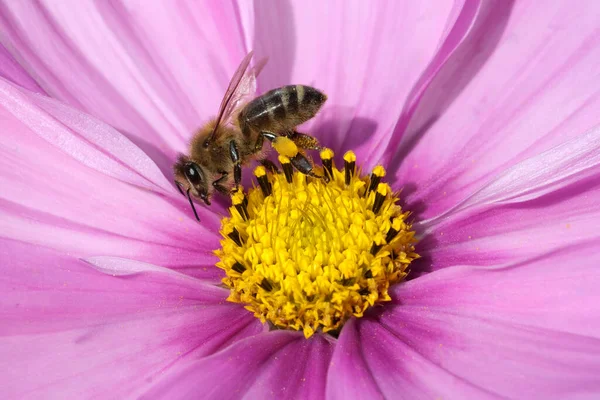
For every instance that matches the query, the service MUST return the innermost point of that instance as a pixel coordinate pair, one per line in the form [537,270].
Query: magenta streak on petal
[71,331]
[280,364]
[374,363]
[350,376]
[478,358]
[11,70]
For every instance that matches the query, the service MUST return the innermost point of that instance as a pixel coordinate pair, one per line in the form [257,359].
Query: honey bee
[235,137]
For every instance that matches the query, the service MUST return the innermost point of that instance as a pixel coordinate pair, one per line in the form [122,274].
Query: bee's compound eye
[193,174]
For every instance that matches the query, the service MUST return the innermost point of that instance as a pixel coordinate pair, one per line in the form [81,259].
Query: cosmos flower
[484,113]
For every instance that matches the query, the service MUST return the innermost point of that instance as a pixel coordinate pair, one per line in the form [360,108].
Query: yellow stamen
[350,156]
[308,254]
[379,171]
[326,154]
[260,171]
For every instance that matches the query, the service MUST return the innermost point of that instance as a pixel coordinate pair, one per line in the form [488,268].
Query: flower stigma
[305,253]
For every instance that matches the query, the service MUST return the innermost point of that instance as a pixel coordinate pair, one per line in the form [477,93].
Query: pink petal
[567,163]
[553,291]
[154,71]
[537,89]
[88,140]
[541,204]
[72,183]
[365,58]
[280,364]
[528,330]
[69,331]
[350,376]
[465,21]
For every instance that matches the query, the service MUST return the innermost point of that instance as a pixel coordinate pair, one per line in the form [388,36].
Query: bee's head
[191,178]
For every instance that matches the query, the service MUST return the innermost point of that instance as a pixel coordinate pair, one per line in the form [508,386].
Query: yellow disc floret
[307,254]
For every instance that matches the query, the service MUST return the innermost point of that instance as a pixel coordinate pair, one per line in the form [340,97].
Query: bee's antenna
[192,204]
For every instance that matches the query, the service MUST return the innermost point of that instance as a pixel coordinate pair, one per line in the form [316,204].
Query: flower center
[306,253]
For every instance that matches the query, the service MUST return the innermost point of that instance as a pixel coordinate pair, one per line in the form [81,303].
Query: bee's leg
[218,184]
[179,187]
[303,164]
[305,141]
[268,135]
[298,160]
[270,165]
[283,144]
[237,167]
[259,143]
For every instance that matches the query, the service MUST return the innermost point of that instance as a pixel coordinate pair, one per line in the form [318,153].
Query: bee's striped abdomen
[281,109]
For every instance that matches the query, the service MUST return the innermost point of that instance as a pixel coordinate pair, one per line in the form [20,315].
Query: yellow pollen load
[307,254]
[285,146]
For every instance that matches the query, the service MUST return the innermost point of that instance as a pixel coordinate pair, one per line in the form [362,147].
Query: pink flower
[486,113]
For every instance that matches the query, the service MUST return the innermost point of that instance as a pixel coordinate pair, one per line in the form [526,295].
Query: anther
[376,175]
[265,284]
[270,165]
[394,229]
[238,267]
[288,170]
[375,248]
[348,281]
[379,197]
[349,165]
[235,236]
[391,234]
[327,159]
[241,204]
[261,175]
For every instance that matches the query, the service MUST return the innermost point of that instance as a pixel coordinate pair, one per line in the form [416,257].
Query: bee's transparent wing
[245,90]
[241,87]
